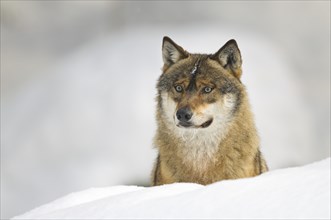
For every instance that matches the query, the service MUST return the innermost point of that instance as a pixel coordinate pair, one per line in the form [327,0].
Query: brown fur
[230,152]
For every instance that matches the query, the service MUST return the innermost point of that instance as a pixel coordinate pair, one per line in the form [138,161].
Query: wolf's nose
[184,114]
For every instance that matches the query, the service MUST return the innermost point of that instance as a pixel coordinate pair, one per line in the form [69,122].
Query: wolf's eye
[207,89]
[178,88]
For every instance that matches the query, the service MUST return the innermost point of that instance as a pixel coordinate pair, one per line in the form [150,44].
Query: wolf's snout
[184,114]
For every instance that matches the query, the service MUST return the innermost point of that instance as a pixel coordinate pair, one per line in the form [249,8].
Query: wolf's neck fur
[198,147]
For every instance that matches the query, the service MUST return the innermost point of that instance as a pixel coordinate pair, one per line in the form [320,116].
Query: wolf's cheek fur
[168,108]
[229,103]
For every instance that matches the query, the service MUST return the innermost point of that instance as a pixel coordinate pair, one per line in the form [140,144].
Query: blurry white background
[78,85]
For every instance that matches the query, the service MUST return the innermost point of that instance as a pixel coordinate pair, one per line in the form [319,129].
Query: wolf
[205,128]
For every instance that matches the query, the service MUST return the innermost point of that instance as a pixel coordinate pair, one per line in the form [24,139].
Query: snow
[89,121]
[291,193]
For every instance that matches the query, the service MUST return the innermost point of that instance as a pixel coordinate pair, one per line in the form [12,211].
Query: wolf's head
[199,91]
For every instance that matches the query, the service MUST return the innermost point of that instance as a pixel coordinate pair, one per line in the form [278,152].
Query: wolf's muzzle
[184,114]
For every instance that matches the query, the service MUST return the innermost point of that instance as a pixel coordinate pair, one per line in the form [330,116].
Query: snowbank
[299,192]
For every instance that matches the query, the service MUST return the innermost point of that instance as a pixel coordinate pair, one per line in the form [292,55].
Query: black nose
[184,114]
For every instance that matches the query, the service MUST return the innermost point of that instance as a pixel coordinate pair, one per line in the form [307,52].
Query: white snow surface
[291,193]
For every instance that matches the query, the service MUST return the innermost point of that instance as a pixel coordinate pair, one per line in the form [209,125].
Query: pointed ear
[171,52]
[230,58]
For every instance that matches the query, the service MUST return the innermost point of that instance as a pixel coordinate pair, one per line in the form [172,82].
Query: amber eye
[178,88]
[207,89]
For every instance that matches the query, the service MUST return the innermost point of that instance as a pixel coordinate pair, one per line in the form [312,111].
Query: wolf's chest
[198,150]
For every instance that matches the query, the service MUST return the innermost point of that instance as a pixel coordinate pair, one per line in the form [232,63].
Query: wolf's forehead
[195,68]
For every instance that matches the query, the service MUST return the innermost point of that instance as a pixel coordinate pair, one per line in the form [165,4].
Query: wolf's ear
[229,57]
[171,52]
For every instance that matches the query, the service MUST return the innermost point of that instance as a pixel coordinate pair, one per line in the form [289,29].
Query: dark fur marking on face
[211,100]
[192,85]
[176,99]
[195,68]
[165,82]
[228,87]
